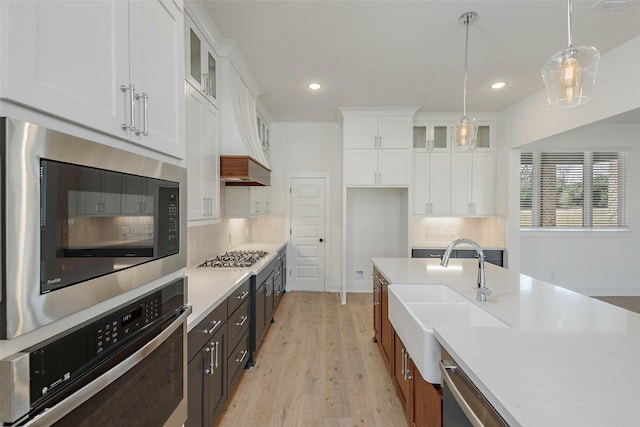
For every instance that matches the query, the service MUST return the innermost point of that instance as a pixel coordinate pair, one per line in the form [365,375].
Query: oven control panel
[65,358]
[122,324]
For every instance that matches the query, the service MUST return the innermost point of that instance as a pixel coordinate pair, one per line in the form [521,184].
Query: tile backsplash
[437,232]
[206,241]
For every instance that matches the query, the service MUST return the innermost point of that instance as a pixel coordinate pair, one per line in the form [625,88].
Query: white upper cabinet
[156,70]
[201,62]
[81,60]
[448,180]
[246,201]
[377,147]
[377,131]
[203,145]
[472,183]
[431,183]
[431,136]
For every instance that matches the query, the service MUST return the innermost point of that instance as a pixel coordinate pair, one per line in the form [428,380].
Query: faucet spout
[481,290]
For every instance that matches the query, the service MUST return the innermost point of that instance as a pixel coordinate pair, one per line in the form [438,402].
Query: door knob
[321,240]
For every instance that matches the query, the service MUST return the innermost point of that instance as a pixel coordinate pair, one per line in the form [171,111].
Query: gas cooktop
[235,259]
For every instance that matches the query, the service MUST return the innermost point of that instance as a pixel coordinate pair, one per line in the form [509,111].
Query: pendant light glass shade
[466,130]
[570,74]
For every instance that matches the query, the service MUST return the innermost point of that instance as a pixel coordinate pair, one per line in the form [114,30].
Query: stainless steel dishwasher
[462,403]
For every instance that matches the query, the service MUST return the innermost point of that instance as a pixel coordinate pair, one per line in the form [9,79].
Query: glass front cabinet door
[201,62]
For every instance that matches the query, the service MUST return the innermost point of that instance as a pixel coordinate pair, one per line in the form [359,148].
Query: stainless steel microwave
[81,222]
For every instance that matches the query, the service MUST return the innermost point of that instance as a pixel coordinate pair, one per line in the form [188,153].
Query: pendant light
[466,129]
[570,74]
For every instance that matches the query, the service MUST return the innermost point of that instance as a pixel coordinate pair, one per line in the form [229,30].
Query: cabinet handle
[402,365]
[145,114]
[209,350]
[132,117]
[407,372]
[215,325]
[244,354]
[205,85]
[241,322]
[217,345]
[243,295]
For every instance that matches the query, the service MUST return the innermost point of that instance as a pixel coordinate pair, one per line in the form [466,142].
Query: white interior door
[308,234]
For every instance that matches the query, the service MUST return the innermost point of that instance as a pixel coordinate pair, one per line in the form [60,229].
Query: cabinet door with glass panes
[431,136]
[201,62]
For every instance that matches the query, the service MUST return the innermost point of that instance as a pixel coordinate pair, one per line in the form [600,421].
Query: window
[574,190]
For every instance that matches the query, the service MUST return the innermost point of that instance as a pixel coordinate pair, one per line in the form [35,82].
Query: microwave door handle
[55,413]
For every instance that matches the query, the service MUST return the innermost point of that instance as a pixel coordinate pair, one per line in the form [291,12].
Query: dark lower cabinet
[207,374]
[237,360]
[218,350]
[263,304]
[493,256]
[280,276]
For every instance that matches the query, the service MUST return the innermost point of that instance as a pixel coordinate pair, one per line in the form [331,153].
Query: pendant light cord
[569,23]
[466,48]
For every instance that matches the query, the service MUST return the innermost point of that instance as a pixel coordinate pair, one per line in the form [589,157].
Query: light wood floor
[630,303]
[317,367]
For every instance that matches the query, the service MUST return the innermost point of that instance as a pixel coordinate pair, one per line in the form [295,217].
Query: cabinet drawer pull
[243,295]
[241,321]
[145,114]
[243,355]
[132,117]
[217,345]
[215,324]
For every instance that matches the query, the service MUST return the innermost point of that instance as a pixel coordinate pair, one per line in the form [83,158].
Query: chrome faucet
[482,291]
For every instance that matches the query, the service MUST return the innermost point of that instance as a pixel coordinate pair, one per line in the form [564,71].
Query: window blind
[574,189]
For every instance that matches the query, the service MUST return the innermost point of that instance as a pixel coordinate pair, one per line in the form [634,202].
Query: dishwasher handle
[475,406]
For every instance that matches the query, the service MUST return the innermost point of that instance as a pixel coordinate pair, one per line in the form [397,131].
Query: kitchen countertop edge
[208,287]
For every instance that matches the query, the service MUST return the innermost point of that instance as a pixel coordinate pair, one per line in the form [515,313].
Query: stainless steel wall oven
[126,367]
[81,222]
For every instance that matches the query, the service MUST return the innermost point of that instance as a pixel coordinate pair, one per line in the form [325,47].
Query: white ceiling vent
[612,4]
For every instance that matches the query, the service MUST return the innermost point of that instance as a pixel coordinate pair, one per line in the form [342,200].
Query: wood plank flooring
[317,367]
[630,303]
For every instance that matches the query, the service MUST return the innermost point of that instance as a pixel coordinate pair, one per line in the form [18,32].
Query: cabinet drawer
[238,323]
[211,324]
[239,296]
[237,360]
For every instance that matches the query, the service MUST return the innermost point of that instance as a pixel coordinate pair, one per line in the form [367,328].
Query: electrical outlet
[359,274]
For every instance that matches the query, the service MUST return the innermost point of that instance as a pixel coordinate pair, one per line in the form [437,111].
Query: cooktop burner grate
[235,259]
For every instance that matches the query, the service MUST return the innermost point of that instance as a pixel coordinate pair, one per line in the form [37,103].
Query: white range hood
[238,118]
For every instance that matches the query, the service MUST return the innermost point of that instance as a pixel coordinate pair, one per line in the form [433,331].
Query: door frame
[327,222]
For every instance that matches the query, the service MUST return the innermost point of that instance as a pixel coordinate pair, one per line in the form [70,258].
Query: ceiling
[406,53]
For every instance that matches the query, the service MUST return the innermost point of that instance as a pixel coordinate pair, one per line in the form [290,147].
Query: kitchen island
[565,359]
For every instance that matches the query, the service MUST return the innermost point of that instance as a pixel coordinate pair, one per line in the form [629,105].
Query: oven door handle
[55,413]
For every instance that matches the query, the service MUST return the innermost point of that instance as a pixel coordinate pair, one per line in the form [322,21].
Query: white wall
[377,226]
[308,149]
[590,262]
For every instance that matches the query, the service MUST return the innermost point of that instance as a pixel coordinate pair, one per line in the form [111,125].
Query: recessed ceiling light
[498,85]
[314,86]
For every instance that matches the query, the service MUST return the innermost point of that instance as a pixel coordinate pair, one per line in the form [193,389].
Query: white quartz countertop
[207,287]
[565,360]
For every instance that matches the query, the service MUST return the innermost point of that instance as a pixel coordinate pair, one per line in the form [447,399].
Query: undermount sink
[414,310]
